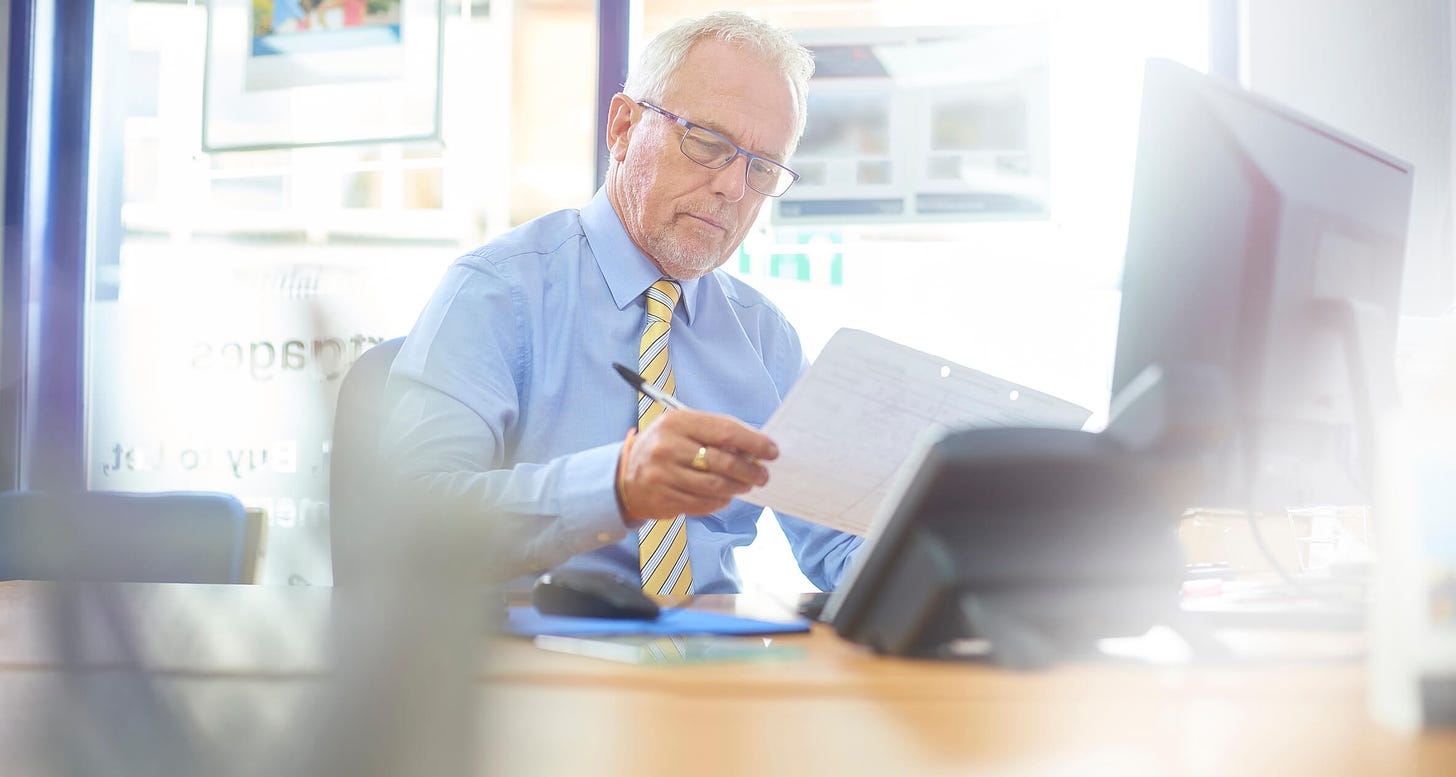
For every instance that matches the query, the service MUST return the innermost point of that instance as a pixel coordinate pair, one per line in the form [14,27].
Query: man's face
[687,218]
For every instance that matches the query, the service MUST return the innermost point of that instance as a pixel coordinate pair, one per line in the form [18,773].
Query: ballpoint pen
[641,384]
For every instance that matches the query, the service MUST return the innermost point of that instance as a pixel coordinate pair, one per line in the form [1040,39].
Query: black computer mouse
[592,594]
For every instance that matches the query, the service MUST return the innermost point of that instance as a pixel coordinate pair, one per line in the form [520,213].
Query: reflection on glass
[1014,164]
[877,171]
[251,160]
[943,168]
[424,189]
[420,150]
[812,173]
[849,61]
[253,193]
[144,76]
[844,125]
[139,176]
[974,123]
[364,190]
[251,379]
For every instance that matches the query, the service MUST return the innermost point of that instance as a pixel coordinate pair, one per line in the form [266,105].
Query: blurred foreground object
[1413,656]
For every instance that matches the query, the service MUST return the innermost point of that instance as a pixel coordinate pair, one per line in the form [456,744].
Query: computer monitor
[1260,293]
[1268,248]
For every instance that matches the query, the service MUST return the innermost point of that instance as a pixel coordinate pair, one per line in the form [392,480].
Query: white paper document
[855,416]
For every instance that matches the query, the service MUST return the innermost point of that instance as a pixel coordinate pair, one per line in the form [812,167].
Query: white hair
[665,53]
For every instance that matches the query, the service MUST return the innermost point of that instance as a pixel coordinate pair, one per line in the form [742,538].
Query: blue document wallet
[528,622]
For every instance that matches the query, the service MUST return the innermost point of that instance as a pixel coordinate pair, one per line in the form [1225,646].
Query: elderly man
[507,408]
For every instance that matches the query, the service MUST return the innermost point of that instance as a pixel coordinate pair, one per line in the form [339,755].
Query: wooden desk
[240,661]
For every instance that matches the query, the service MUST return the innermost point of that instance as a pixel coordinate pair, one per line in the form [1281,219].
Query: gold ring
[700,461]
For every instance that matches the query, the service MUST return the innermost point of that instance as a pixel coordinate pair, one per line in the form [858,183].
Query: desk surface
[241,659]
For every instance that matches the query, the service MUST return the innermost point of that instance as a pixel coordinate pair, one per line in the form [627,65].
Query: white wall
[1381,71]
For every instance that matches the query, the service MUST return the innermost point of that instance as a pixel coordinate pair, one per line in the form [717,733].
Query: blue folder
[528,622]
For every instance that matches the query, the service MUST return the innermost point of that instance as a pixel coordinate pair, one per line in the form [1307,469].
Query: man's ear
[619,126]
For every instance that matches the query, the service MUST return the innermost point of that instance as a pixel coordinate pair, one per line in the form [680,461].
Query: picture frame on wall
[292,73]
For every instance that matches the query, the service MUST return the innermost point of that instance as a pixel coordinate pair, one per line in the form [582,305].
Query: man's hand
[663,475]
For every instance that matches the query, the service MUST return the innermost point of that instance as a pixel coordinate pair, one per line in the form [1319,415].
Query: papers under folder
[862,410]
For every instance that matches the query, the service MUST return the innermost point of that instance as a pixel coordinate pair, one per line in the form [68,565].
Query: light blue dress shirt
[506,406]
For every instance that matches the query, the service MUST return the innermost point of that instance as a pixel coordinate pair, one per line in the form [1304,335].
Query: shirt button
[603,537]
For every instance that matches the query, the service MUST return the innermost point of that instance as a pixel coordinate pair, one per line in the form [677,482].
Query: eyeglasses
[715,152]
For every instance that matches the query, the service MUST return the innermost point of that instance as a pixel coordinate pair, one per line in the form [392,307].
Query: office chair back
[167,537]
[354,456]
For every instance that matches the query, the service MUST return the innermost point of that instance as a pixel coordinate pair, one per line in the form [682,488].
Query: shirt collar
[627,270]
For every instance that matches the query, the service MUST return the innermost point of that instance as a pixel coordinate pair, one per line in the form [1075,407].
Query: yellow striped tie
[661,545]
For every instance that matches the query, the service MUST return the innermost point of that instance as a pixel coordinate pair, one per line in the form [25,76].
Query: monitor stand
[1039,541]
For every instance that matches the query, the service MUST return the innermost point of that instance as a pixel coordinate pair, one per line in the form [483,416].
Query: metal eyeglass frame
[737,149]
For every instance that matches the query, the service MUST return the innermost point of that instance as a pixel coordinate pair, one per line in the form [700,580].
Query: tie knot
[662,298]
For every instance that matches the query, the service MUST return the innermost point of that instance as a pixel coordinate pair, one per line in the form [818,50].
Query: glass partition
[234,288]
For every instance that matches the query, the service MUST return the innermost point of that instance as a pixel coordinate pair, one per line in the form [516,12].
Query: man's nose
[730,180]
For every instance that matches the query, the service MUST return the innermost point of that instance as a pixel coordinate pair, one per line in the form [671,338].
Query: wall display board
[284,73]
